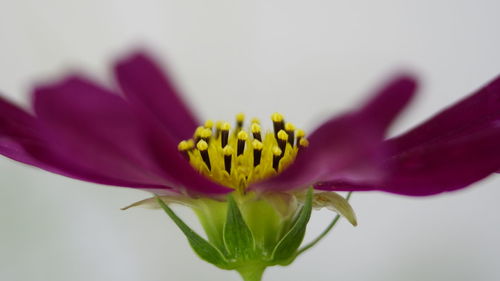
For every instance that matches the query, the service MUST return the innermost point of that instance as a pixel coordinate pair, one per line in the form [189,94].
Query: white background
[306,59]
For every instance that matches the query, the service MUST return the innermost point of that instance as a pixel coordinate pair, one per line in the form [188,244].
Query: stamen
[255,120]
[203,148]
[184,147]
[290,130]
[197,134]
[209,124]
[228,154]
[278,122]
[240,117]
[282,140]
[257,152]
[276,157]
[219,151]
[256,131]
[205,134]
[242,138]
[304,142]
[218,126]
[224,134]
[190,144]
[300,135]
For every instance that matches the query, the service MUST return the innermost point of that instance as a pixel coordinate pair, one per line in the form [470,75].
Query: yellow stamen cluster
[245,155]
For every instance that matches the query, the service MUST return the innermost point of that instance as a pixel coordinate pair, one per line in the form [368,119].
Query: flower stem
[252,272]
[324,233]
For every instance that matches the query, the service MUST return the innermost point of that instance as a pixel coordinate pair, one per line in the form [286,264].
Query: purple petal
[437,167]
[144,84]
[446,165]
[98,131]
[17,130]
[20,138]
[478,109]
[349,146]
[450,151]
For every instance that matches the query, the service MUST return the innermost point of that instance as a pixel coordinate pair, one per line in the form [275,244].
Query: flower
[140,136]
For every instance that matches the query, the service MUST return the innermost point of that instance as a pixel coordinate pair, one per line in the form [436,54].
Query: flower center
[238,157]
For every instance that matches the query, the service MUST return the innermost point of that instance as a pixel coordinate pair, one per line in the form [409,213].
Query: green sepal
[237,236]
[287,246]
[202,247]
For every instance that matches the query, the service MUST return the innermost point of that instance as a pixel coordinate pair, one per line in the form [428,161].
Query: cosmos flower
[144,136]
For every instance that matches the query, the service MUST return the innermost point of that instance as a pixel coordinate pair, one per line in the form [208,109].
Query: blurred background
[306,59]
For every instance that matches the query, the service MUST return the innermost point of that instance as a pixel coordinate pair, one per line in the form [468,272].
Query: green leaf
[238,238]
[287,246]
[202,247]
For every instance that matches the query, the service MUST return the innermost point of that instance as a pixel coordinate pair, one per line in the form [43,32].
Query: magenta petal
[144,84]
[447,165]
[98,131]
[476,110]
[17,130]
[450,151]
[347,147]
[436,167]
[20,140]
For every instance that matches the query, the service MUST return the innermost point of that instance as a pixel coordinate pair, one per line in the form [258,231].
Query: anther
[224,134]
[255,120]
[236,155]
[278,122]
[197,133]
[190,143]
[257,152]
[282,140]
[240,117]
[209,124]
[228,154]
[300,135]
[205,134]
[276,157]
[203,148]
[184,147]
[242,138]
[304,142]
[290,130]
[218,126]
[255,128]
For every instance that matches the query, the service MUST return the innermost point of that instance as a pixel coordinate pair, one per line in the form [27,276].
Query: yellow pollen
[206,133]
[289,127]
[257,145]
[300,133]
[255,121]
[277,117]
[183,146]
[238,157]
[240,117]
[282,135]
[209,124]
[304,143]
[226,126]
[218,125]
[255,128]
[242,135]
[198,131]
[227,150]
[202,145]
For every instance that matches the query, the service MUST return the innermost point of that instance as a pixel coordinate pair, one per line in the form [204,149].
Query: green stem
[324,233]
[252,272]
